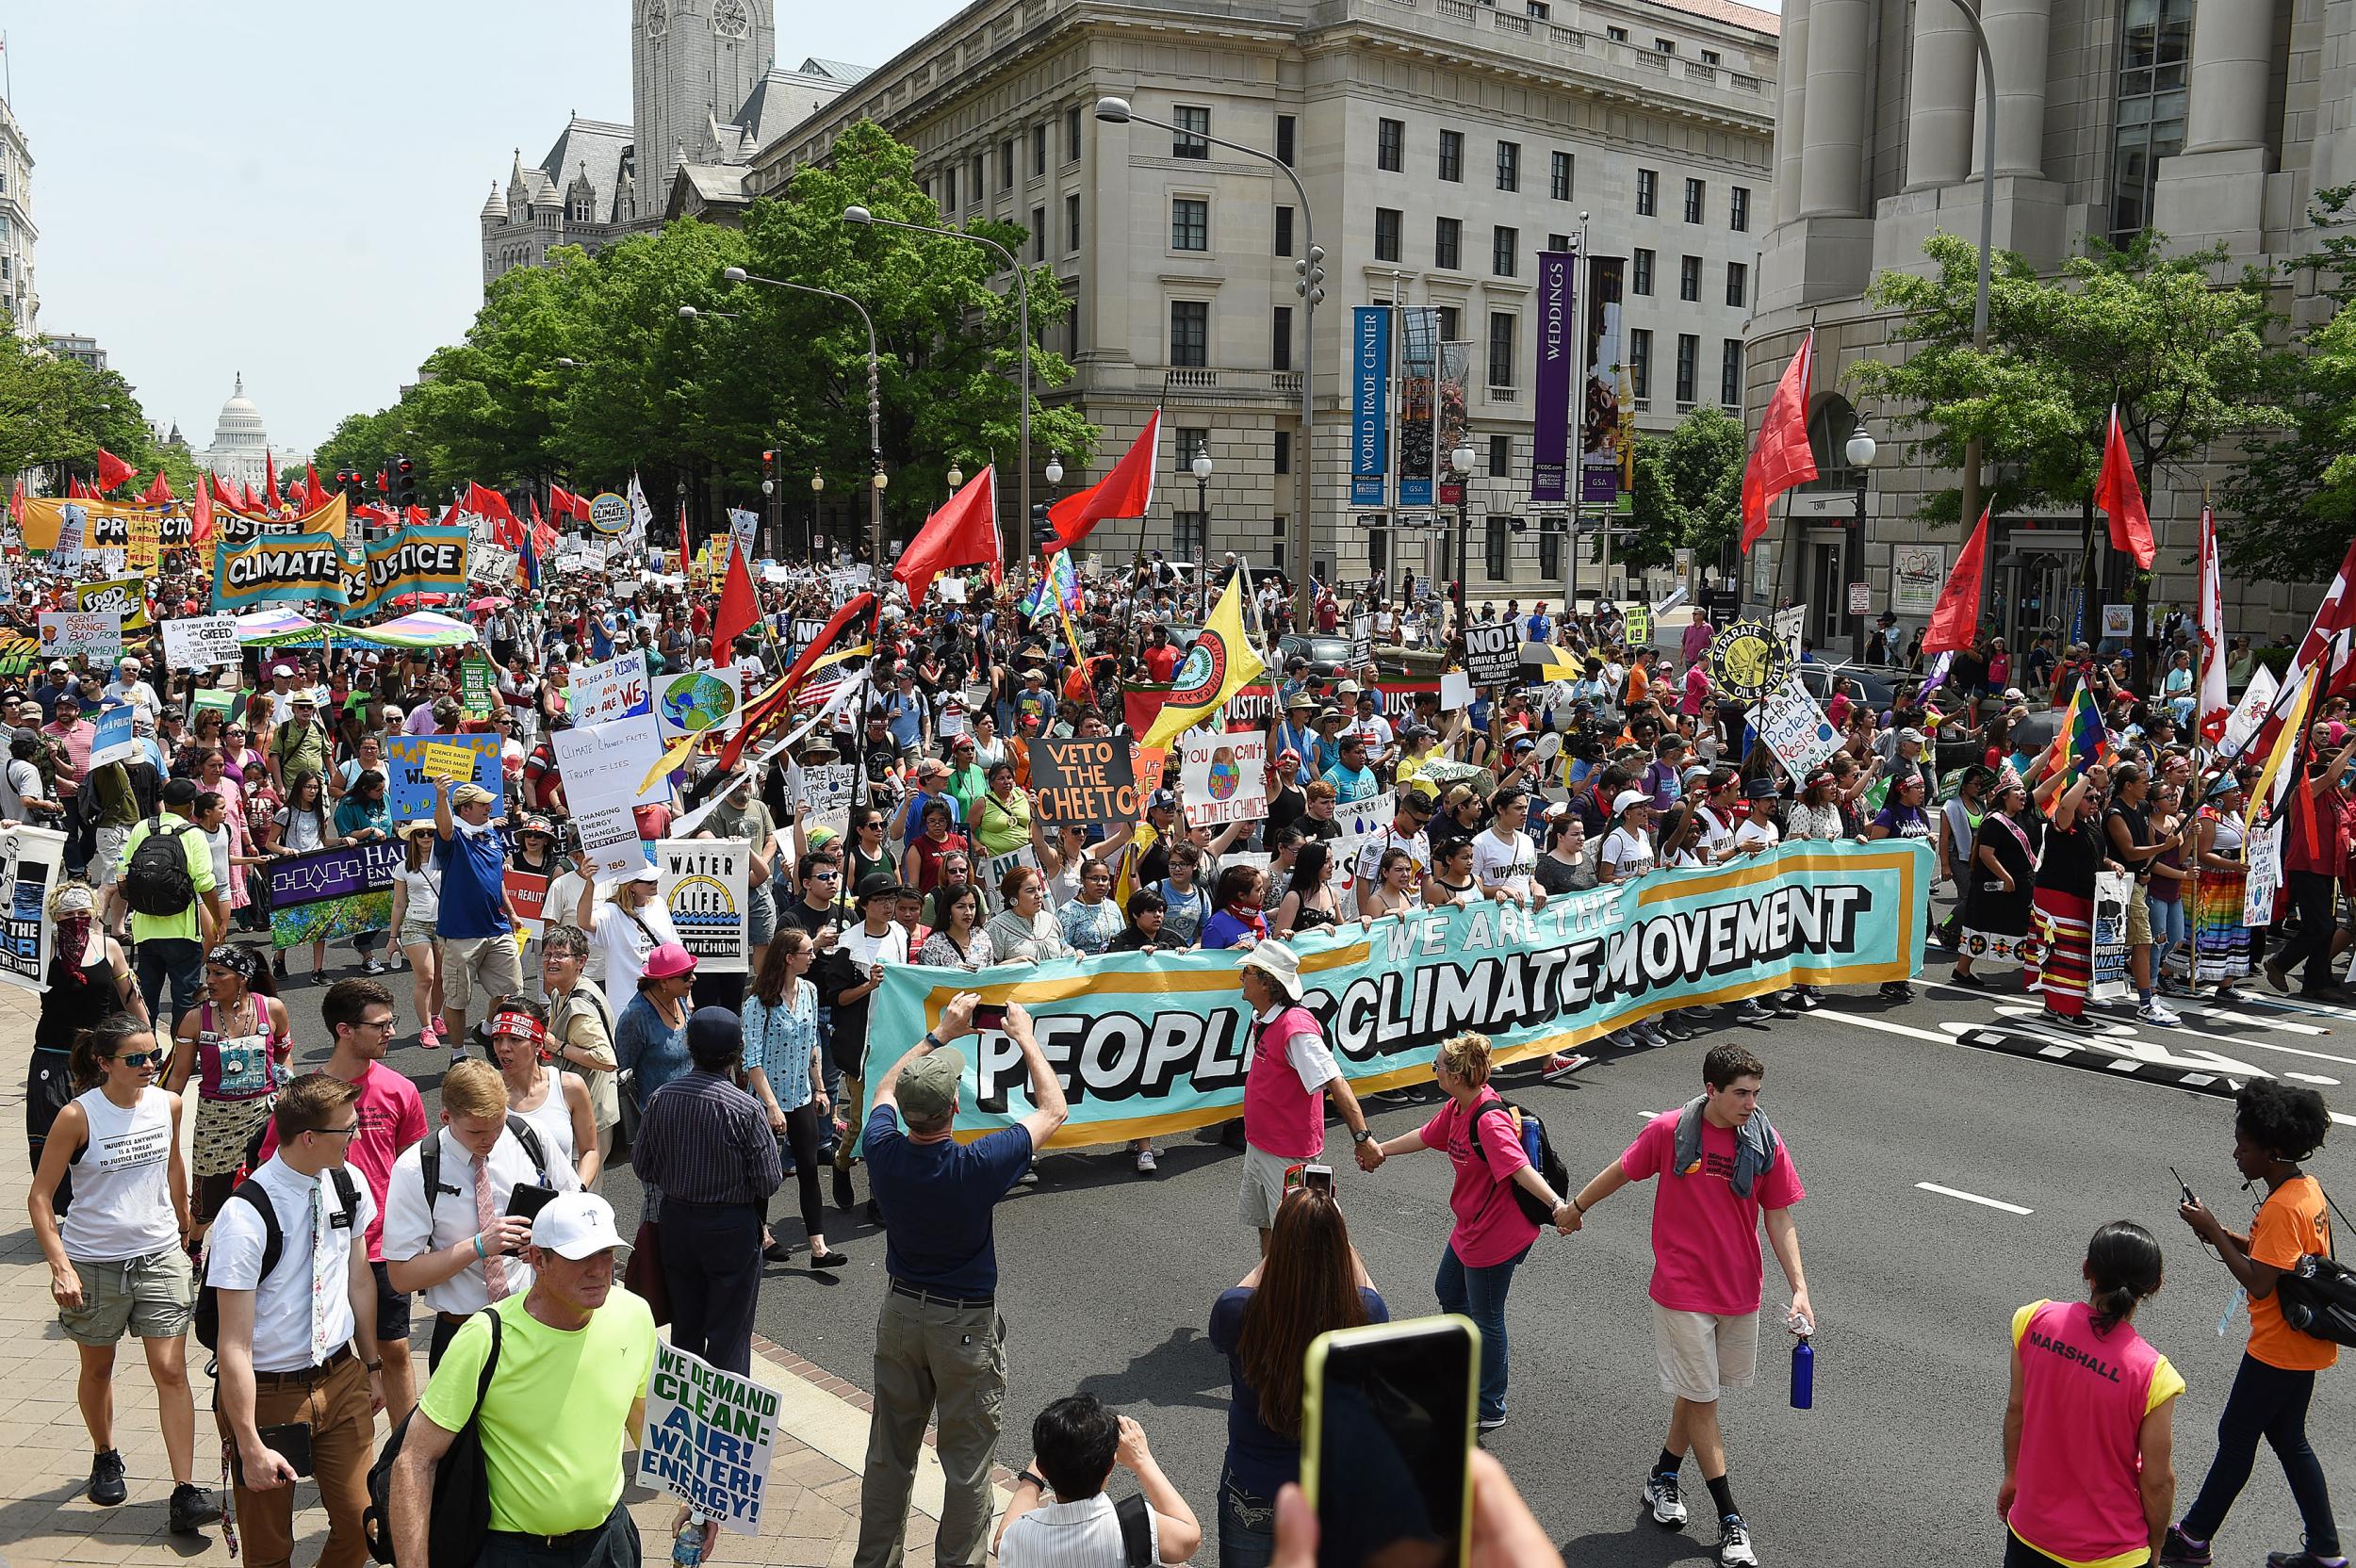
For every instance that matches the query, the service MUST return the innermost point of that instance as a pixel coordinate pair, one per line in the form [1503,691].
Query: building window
[1194,123]
[2155,41]
[1693,201]
[1450,321]
[1038,149]
[1502,324]
[1284,231]
[1492,542]
[1647,193]
[1501,457]
[1072,325]
[949,188]
[1539,9]
[1550,553]
[580,210]
[1509,166]
[1453,156]
[1189,332]
[1005,164]
[1039,233]
[1386,233]
[1280,339]
[1190,536]
[1448,243]
[1072,223]
[1071,135]
[1190,223]
[1690,278]
[1559,178]
[1390,145]
[1558,242]
[1285,136]
[976,185]
[1730,373]
[1688,356]
[1617,35]
[1739,209]
[1504,242]
[1284,451]
[1711,56]
[1664,46]
[1738,284]
[1378,549]
[1640,273]
[1640,362]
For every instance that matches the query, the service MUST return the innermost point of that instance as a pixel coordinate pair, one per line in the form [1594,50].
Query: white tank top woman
[123,1181]
[552,1119]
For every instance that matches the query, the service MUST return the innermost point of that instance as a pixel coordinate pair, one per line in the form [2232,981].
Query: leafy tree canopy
[1688,488]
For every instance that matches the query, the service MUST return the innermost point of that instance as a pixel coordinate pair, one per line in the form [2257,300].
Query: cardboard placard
[529,892]
[476,679]
[1492,653]
[112,739]
[1788,719]
[199,641]
[32,861]
[704,892]
[709,1437]
[409,792]
[1792,627]
[1360,642]
[443,760]
[614,690]
[1456,692]
[604,764]
[1083,779]
[2106,979]
[95,634]
[125,595]
[1224,778]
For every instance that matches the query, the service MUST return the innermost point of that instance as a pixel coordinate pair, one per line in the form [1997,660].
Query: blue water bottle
[1803,1375]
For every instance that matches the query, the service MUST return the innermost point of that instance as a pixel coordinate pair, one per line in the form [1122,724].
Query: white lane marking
[1973,1197]
[2114,1028]
[2299,1004]
[2285,1025]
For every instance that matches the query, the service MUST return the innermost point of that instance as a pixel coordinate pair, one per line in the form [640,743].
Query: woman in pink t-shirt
[1491,1234]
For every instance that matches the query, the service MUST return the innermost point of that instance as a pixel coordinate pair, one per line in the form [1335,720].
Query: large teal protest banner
[1146,1045]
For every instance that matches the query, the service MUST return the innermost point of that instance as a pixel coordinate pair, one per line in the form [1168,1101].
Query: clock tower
[692,63]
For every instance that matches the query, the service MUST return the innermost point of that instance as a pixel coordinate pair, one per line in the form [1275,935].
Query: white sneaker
[2157,1011]
[1661,1496]
[1734,1544]
[1146,1166]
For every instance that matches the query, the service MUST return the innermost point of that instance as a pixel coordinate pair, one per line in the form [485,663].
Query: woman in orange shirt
[2275,1126]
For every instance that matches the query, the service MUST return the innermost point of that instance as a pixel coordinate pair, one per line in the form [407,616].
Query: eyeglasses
[344,1132]
[140,1059]
[381,1025]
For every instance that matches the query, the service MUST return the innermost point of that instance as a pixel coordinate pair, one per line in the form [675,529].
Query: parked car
[1879,689]
[1328,657]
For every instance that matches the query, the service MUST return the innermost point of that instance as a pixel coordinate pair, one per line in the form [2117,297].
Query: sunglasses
[140,1059]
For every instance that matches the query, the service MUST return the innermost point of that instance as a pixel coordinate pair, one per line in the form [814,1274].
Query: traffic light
[769,471]
[404,482]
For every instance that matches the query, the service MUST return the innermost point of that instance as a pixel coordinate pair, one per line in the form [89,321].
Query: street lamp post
[1201,469]
[1023,306]
[1860,454]
[1311,288]
[875,404]
[1459,463]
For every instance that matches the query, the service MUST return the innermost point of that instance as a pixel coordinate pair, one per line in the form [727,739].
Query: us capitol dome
[242,444]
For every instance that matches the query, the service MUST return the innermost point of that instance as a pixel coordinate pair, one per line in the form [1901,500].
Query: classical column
[2233,56]
[1938,119]
[1832,141]
[1791,88]
[2017,33]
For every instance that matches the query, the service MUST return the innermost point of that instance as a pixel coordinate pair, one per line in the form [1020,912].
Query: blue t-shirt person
[937,1200]
[1260,1458]
[474,882]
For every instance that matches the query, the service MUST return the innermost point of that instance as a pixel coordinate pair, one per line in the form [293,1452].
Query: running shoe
[2157,1011]
[1970,982]
[1812,997]
[192,1509]
[1897,991]
[1734,1544]
[1787,1003]
[374,966]
[1146,1163]
[2179,1550]
[1491,1423]
[2301,1559]
[843,1198]
[1752,1012]
[106,1486]
[1661,1496]
[2076,1022]
[1562,1066]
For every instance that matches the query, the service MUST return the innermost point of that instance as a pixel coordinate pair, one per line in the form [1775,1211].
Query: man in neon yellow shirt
[574,1354]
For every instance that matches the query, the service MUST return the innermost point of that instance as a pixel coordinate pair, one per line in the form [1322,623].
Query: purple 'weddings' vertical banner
[1558,355]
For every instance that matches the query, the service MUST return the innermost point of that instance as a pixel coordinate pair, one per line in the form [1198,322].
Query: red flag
[269,479]
[964,533]
[1782,458]
[2117,493]
[75,489]
[159,492]
[313,497]
[112,471]
[2328,651]
[777,701]
[245,492]
[221,496]
[200,523]
[740,609]
[1957,616]
[1125,492]
[543,536]
[566,503]
[491,504]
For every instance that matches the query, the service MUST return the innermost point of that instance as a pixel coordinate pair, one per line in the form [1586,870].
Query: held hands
[1370,1156]
[1567,1218]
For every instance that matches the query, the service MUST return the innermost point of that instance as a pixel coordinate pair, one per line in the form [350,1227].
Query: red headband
[521,1025]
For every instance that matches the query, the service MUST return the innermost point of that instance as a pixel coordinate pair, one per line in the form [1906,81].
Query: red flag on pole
[158,491]
[964,533]
[761,713]
[246,491]
[220,488]
[1957,616]
[2117,494]
[1782,458]
[1125,492]
[313,497]
[200,523]
[543,536]
[269,479]
[740,609]
[490,503]
[112,471]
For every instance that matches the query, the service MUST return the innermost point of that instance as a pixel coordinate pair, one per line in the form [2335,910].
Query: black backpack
[2318,1294]
[1539,1149]
[462,1483]
[157,882]
[273,1246]
[430,1157]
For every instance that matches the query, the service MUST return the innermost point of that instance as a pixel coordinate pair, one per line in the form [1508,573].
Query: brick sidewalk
[811,1515]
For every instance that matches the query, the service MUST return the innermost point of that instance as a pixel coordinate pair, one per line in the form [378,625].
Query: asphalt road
[1106,1280]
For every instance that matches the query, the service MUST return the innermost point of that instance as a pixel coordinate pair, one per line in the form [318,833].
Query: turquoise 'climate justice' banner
[1151,1045]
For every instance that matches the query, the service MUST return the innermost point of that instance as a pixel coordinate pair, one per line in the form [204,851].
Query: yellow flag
[2285,741]
[1221,662]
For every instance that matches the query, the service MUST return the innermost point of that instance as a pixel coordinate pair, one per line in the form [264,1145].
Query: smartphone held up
[1388,1422]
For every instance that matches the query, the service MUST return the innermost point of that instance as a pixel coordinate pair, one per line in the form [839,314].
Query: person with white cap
[1627,854]
[130,686]
[566,1399]
[1283,1095]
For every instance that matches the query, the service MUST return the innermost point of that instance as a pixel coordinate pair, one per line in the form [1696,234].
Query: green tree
[56,412]
[2181,356]
[1688,489]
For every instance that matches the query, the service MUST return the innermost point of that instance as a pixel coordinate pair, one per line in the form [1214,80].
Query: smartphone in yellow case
[1386,1417]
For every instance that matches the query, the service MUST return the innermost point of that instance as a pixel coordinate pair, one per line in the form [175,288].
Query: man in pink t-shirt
[390,1117]
[1720,1167]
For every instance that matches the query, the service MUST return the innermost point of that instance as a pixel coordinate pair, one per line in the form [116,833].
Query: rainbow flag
[2080,741]
[1065,584]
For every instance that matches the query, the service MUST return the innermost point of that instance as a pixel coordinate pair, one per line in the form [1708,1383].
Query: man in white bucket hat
[1284,1096]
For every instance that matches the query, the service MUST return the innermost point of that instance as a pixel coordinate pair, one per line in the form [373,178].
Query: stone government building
[2212,126]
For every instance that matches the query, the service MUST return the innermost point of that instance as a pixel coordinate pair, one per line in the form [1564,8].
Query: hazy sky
[289,187]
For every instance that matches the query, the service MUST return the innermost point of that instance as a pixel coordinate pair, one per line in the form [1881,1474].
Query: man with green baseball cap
[939,1336]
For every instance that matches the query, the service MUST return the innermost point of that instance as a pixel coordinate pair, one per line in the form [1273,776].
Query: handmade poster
[709,1436]
[2118,620]
[476,681]
[32,861]
[1637,628]
[614,690]
[992,872]
[607,764]
[1745,661]
[1791,630]
[1788,719]
[1456,692]
[2106,976]
[1153,1045]
[1145,767]
[329,894]
[447,760]
[199,641]
[409,792]
[1917,574]
[122,596]
[704,890]
[694,701]
[1224,778]
[2264,886]
[529,892]
[1360,822]
[826,793]
[112,738]
[95,634]
[1492,654]
[1083,779]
